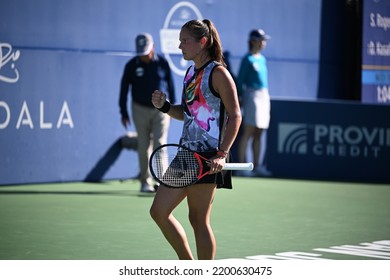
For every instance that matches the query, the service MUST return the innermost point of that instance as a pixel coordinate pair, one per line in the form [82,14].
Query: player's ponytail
[214,46]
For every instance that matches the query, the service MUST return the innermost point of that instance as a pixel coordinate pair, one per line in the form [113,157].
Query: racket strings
[176,168]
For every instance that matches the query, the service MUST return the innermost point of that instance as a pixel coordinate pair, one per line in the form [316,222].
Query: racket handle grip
[238,166]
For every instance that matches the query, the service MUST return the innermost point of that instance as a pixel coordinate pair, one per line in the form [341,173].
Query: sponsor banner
[376,52]
[59,118]
[177,16]
[331,141]
[60,71]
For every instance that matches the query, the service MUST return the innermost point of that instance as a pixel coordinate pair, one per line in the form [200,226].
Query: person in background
[252,83]
[144,73]
[211,114]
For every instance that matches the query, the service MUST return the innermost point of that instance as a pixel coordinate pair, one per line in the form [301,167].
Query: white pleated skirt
[257,108]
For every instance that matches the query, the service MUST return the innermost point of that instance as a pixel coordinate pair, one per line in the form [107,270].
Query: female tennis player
[212,117]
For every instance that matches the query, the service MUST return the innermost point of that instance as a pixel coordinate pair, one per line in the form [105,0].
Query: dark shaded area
[128,141]
[105,162]
[340,50]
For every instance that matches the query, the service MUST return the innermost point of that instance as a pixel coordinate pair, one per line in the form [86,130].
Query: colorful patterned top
[204,113]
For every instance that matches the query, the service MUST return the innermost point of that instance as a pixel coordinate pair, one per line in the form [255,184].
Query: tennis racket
[176,166]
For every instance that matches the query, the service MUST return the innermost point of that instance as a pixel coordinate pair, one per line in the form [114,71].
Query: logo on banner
[332,140]
[292,138]
[178,15]
[8,71]
[24,116]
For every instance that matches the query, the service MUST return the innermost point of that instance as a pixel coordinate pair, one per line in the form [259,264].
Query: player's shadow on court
[128,141]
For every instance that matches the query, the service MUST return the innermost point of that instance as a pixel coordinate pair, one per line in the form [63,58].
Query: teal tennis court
[259,218]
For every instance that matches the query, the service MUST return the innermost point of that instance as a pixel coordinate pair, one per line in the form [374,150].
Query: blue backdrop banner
[61,62]
[331,141]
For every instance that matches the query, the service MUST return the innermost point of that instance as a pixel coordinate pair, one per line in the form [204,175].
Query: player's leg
[165,201]
[200,198]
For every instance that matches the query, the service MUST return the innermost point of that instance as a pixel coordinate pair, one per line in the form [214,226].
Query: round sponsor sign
[177,16]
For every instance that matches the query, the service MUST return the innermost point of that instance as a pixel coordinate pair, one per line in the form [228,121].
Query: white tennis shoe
[146,188]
